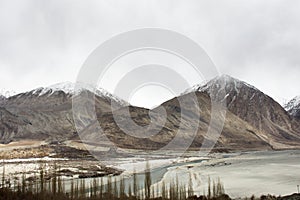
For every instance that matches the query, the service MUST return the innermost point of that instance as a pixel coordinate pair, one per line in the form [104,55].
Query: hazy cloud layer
[45,42]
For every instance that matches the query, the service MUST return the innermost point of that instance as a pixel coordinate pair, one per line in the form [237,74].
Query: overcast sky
[46,42]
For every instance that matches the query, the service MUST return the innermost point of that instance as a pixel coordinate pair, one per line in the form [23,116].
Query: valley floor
[243,174]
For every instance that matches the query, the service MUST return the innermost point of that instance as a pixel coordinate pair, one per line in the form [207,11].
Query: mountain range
[253,121]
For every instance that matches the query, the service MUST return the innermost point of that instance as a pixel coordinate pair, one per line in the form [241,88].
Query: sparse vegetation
[113,188]
[45,187]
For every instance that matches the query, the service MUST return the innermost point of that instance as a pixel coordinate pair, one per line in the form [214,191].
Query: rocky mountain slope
[2,99]
[9,124]
[254,121]
[275,125]
[293,107]
[236,134]
[48,112]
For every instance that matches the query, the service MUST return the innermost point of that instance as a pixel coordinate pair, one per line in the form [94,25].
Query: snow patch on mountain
[6,93]
[293,106]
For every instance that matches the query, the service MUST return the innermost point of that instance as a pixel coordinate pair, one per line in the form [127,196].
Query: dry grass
[34,152]
[22,144]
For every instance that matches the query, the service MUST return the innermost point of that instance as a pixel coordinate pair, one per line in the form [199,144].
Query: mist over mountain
[254,121]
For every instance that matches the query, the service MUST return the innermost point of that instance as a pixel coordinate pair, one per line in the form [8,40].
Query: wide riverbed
[244,174]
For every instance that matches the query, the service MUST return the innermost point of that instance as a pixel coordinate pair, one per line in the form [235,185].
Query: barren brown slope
[9,125]
[236,135]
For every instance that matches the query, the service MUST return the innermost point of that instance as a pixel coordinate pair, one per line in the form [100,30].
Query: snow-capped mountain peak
[66,87]
[226,81]
[74,89]
[222,80]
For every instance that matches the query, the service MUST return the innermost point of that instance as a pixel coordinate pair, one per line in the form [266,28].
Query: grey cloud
[43,42]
